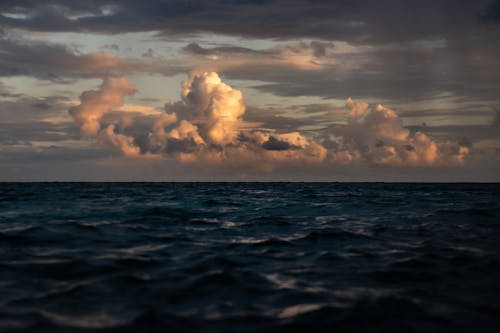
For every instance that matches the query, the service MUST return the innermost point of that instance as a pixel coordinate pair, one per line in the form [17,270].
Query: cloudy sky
[340,90]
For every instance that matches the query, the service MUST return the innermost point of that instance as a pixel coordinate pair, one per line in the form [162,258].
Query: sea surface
[249,257]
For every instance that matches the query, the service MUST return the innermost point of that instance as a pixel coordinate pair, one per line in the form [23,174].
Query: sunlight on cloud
[95,103]
[377,135]
[220,104]
[208,127]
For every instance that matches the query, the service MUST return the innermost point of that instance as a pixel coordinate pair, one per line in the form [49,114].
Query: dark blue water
[247,257]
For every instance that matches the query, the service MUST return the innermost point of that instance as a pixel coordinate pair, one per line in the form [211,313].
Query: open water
[248,257]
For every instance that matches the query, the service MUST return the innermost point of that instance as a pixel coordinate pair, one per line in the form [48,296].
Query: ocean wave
[246,257]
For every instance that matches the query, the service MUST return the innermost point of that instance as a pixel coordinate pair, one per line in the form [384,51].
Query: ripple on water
[249,257]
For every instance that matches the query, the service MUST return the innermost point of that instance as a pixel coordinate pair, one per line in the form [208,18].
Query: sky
[250,90]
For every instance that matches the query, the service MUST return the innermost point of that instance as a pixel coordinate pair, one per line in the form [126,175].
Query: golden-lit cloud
[220,105]
[208,128]
[95,103]
[123,143]
[377,135]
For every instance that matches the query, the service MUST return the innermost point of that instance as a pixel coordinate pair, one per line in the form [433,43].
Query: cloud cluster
[208,127]
[377,136]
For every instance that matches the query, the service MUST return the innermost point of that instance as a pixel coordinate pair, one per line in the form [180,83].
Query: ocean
[248,257]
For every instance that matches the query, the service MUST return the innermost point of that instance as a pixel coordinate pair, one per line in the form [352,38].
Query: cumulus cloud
[376,134]
[158,135]
[219,104]
[95,103]
[219,137]
[208,127]
[186,131]
[123,143]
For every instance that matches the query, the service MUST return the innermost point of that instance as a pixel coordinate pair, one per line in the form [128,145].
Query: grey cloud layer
[51,61]
[415,48]
[358,20]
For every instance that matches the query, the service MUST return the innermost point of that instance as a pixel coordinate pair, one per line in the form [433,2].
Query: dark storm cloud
[357,21]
